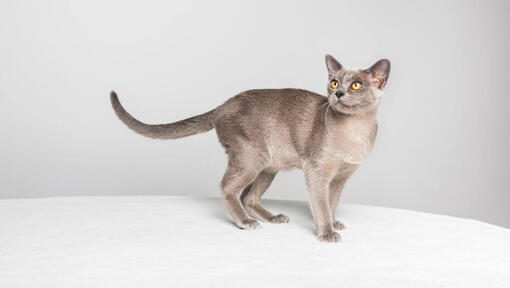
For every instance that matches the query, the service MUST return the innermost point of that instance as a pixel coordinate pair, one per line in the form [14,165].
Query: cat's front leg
[317,180]
[335,190]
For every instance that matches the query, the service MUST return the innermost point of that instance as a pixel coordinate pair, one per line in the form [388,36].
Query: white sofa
[174,241]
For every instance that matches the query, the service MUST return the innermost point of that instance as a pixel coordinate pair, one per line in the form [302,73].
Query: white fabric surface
[189,242]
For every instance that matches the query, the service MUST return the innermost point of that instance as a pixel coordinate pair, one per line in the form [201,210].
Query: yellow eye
[356,85]
[334,84]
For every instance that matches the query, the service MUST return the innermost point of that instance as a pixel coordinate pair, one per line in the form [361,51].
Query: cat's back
[271,103]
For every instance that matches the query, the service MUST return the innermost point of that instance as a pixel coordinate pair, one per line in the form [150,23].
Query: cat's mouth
[346,103]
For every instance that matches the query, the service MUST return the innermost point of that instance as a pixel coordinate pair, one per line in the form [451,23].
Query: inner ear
[333,65]
[379,72]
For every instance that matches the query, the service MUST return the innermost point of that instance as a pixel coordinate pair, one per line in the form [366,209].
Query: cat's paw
[338,225]
[280,218]
[249,224]
[330,237]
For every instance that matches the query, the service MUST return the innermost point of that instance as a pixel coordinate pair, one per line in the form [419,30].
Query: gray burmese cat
[267,130]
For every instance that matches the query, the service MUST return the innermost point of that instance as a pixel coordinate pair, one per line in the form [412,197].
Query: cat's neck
[335,117]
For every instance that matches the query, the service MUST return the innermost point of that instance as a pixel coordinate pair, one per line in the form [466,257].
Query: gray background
[443,140]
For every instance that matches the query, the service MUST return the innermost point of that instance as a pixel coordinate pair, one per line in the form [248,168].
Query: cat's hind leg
[252,194]
[236,178]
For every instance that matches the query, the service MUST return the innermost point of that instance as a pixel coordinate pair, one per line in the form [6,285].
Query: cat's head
[355,91]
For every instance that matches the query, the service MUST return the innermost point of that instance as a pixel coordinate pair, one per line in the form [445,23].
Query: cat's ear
[379,72]
[333,65]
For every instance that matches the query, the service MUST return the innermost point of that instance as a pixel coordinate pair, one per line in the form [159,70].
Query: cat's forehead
[351,73]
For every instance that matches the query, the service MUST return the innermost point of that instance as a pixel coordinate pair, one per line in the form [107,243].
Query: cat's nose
[339,94]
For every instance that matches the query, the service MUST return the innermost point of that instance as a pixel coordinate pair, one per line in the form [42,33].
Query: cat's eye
[356,85]
[333,84]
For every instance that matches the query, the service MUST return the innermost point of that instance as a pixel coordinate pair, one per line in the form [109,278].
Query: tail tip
[113,98]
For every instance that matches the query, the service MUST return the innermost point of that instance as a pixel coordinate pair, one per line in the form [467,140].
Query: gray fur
[197,124]
[264,131]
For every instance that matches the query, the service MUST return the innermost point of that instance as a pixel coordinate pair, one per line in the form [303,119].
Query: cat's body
[290,126]
[264,131]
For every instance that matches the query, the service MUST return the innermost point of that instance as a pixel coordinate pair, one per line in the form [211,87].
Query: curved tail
[194,125]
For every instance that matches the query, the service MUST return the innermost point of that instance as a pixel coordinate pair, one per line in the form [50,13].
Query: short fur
[264,131]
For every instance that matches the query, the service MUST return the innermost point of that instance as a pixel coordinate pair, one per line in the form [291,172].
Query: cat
[264,131]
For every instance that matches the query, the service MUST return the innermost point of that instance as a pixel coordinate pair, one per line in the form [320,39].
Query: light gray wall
[443,140]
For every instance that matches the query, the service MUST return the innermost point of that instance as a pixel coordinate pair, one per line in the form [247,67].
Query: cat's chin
[352,109]
[344,108]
